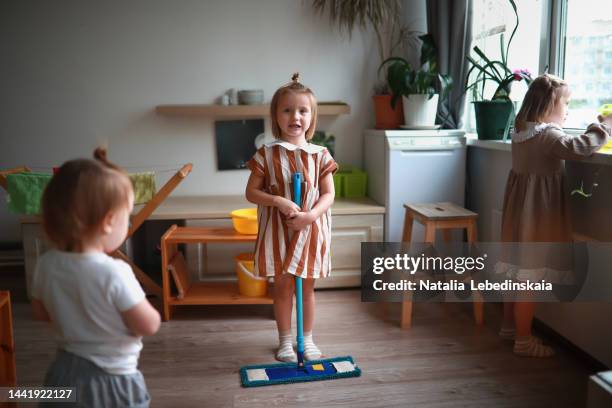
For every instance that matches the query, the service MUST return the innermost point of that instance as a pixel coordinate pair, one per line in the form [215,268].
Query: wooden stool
[443,216]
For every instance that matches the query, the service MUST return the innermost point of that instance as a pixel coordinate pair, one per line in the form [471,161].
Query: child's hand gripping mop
[286,373]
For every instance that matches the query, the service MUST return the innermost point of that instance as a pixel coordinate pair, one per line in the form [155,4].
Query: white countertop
[506,146]
[215,207]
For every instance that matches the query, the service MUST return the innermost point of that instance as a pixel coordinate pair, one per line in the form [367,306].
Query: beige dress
[536,203]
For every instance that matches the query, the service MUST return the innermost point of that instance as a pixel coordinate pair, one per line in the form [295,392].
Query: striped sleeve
[328,165]
[257,163]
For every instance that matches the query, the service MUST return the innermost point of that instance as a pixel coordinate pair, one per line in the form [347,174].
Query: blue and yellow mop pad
[287,373]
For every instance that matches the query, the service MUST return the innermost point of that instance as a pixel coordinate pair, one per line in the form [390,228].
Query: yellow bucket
[248,283]
[245,220]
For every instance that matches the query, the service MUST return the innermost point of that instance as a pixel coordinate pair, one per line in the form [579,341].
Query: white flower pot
[419,110]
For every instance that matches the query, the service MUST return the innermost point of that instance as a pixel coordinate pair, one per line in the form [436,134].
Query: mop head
[287,373]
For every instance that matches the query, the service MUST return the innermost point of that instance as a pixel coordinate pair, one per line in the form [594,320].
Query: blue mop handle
[297,198]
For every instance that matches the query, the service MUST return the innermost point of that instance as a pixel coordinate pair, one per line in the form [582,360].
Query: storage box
[350,182]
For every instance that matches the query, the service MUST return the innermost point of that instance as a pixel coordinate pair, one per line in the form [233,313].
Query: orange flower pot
[386,117]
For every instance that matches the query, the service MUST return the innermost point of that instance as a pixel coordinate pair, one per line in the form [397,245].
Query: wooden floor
[443,361]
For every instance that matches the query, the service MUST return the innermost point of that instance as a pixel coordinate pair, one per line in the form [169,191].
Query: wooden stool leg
[477,296]
[407,234]
[430,232]
[406,312]
[478,308]
[406,317]
[471,231]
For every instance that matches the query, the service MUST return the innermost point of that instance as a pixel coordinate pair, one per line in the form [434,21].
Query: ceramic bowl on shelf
[250,97]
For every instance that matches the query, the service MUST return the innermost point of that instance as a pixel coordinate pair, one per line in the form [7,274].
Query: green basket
[338,184]
[350,182]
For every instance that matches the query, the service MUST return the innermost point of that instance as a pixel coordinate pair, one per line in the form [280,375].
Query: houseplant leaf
[428,51]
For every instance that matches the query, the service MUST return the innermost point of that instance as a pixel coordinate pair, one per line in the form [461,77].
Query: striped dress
[278,250]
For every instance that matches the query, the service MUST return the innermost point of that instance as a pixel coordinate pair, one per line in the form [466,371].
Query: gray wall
[78,74]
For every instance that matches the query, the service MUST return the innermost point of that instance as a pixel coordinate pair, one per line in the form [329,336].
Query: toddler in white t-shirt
[94,302]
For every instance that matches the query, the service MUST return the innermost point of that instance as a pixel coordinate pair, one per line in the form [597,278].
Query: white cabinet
[348,232]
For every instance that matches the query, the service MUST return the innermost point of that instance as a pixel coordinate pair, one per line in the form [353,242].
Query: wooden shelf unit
[8,373]
[239,111]
[199,293]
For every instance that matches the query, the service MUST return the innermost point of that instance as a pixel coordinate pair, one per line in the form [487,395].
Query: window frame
[552,46]
[552,42]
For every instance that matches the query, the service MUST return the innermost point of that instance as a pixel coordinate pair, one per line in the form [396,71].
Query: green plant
[405,80]
[324,139]
[496,70]
[383,16]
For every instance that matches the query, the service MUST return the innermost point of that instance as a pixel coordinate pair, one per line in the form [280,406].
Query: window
[491,20]
[587,59]
[569,38]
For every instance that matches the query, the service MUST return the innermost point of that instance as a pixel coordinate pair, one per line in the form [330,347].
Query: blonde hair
[541,98]
[79,196]
[293,87]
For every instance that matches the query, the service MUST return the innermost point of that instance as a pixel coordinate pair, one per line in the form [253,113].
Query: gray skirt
[94,386]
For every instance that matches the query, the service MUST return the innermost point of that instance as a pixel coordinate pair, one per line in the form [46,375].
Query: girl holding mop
[293,240]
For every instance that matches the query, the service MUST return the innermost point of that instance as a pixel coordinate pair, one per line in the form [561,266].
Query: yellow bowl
[248,283]
[245,220]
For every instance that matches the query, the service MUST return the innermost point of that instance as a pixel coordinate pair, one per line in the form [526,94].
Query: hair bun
[295,77]
[100,154]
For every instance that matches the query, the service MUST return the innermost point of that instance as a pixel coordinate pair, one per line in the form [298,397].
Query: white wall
[75,74]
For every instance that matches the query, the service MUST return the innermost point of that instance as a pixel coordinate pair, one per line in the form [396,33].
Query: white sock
[530,346]
[311,351]
[285,348]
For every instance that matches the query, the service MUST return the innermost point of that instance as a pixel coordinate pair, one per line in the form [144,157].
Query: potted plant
[383,16]
[494,117]
[419,88]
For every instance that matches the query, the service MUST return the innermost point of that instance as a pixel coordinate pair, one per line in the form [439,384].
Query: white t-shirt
[84,294]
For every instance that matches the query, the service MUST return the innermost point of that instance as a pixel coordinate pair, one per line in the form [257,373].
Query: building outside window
[587,62]
[579,37]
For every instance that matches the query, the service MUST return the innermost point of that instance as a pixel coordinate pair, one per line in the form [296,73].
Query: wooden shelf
[8,374]
[225,293]
[239,111]
[196,235]
[198,293]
